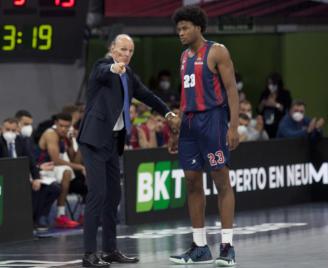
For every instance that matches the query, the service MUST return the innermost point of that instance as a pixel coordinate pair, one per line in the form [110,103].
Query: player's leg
[226,204]
[216,153]
[191,161]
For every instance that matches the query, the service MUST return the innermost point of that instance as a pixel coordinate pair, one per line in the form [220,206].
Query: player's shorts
[47,177]
[202,141]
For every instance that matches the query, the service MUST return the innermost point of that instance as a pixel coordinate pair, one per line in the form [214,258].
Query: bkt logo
[160,186]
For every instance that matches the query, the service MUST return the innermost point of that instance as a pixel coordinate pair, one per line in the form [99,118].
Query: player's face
[188,32]
[62,127]
[122,50]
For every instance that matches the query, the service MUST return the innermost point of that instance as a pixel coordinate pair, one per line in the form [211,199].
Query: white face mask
[242,130]
[298,116]
[240,86]
[9,136]
[273,88]
[26,131]
[164,84]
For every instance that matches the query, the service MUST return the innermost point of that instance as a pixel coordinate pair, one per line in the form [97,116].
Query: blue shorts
[202,141]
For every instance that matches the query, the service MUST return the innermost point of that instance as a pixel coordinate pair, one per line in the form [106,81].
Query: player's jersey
[201,89]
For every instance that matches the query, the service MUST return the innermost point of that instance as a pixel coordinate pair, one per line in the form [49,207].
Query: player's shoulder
[218,50]
[218,47]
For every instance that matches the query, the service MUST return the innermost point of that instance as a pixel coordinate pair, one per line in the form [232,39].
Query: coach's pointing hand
[118,68]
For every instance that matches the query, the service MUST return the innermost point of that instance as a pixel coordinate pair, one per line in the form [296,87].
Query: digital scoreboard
[41,30]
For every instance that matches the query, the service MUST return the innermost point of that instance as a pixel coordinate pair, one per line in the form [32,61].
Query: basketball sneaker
[227,256]
[194,255]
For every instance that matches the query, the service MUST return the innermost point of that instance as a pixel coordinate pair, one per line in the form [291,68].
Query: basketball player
[209,97]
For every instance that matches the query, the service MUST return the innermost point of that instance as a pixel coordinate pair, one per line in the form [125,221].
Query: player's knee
[194,186]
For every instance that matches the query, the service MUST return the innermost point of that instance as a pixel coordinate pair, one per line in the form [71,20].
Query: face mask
[9,136]
[297,116]
[165,85]
[242,130]
[26,131]
[273,87]
[249,114]
[240,86]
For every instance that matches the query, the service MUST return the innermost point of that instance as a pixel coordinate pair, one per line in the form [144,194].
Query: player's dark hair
[194,14]
[64,117]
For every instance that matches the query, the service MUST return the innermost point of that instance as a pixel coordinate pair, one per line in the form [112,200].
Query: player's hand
[232,138]
[118,68]
[47,166]
[174,122]
[36,185]
[173,143]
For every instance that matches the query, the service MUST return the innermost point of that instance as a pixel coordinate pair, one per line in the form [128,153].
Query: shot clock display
[41,30]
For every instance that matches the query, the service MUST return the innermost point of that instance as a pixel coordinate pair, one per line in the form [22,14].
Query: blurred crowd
[55,162]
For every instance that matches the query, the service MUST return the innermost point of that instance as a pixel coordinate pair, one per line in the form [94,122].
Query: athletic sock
[199,236]
[226,236]
[60,211]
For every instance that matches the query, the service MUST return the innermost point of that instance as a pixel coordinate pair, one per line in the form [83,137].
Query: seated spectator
[255,126]
[242,127]
[56,145]
[164,88]
[133,141]
[153,133]
[240,86]
[143,112]
[43,194]
[25,122]
[296,124]
[275,101]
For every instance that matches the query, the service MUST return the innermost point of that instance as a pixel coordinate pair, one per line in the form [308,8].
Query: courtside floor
[288,237]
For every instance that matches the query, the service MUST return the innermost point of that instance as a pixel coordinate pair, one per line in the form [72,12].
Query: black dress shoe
[117,256]
[92,260]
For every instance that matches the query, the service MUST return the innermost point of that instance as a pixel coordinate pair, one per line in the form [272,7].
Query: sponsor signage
[155,188]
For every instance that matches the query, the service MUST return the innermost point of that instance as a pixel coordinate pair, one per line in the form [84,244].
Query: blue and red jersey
[201,89]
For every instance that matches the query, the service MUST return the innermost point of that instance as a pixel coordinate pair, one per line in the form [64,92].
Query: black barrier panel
[15,200]
[263,175]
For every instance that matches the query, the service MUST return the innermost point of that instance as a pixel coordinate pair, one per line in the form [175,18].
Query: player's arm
[224,66]
[52,142]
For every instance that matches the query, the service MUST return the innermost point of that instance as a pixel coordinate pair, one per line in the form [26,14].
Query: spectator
[153,133]
[275,101]
[143,113]
[240,86]
[133,140]
[242,128]
[43,194]
[56,145]
[25,122]
[255,126]
[164,88]
[296,124]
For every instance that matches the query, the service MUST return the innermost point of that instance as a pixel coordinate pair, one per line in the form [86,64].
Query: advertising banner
[263,174]
[15,200]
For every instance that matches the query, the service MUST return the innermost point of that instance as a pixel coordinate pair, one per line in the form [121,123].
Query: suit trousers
[104,194]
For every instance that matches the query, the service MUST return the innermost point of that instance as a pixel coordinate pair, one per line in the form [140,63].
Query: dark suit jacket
[105,103]
[22,149]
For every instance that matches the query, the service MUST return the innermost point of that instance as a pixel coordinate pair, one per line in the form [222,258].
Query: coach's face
[188,32]
[122,50]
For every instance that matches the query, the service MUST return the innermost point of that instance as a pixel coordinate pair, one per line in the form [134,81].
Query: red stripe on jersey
[199,87]
[183,102]
[217,89]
